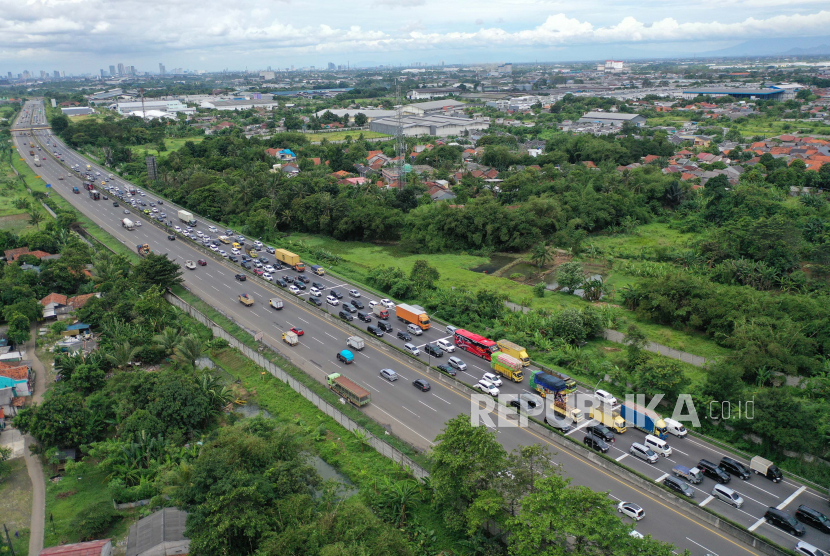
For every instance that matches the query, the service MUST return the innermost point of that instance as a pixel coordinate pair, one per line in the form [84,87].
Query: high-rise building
[112,71]
[161,68]
[102,73]
[63,74]
[120,70]
[10,75]
[332,66]
[56,74]
[42,74]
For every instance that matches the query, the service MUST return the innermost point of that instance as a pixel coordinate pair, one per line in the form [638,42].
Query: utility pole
[400,141]
[9,539]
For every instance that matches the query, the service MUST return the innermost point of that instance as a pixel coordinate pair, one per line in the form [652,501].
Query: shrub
[91,522]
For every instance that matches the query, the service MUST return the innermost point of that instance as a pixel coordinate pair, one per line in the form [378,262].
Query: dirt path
[33,464]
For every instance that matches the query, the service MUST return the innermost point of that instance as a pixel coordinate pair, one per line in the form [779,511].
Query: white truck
[187,218]
[127,223]
[37,161]
[355,342]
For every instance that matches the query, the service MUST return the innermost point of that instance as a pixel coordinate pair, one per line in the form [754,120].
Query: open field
[171,144]
[341,135]
[16,505]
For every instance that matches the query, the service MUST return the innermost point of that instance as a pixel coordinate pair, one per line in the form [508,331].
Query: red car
[259,271]
[201,262]
[297,331]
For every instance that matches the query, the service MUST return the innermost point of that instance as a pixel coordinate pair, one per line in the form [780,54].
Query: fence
[379,445]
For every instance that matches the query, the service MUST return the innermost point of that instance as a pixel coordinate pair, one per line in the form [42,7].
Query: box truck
[514,350]
[289,259]
[413,314]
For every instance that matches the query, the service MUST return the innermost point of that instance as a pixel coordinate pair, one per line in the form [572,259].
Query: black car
[302,277]
[160,202]
[524,401]
[315,301]
[385,326]
[364,317]
[300,285]
[434,351]
[422,385]
[357,304]
[171,237]
[241,277]
[318,285]
[246,265]
[115,203]
[349,308]
[375,330]
[446,369]
[281,283]
[813,518]
[601,431]
[404,336]
[596,443]
[712,471]
[336,294]
[785,521]
[233,259]
[734,467]
[288,279]
[680,487]
[345,316]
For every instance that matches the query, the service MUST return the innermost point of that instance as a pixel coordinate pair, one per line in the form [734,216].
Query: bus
[475,344]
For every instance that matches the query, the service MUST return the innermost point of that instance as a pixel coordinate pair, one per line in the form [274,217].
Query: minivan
[813,518]
[414,329]
[734,467]
[451,329]
[712,471]
[364,317]
[446,345]
[785,521]
[375,330]
[345,316]
[658,445]
[643,452]
[385,326]
[412,349]
[679,486]
[676,428]
[595,442]
[726,494]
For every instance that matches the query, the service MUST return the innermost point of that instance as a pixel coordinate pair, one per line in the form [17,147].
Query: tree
[635,340]
[360,119]
[19,330]
[570,276]
[155,269]
[168,339]
[122,354]
[424,276]
[541,255]
[35,218]
[189,350]
[660,376]
[61,420]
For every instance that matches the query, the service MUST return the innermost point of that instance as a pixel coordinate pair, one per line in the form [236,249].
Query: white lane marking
[420,402]
[706,501]
[748,498]
[661,477]
[373,388]
[622,457]
[756,524]
[214,287]
[674,449]
[442,399]
[409,410]
[477,367]
[430,442]
[316,340]
[711,552]
[792,497]
[329,335]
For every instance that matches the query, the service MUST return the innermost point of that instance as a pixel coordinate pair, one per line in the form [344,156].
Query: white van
[658,445]
[416,330]
[675,427]
[446,345]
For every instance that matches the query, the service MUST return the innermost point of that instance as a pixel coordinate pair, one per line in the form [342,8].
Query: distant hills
[798,46]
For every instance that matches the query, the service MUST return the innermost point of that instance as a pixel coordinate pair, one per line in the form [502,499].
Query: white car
[315,292]
[604,397]
[294,289]
[222,253]
[198,232]
[446,345]
[487,387]
[212,228]
[267,276]
[636,534]
[214,248]
[331,300]
[372,304]
[490,377]
[269,268]
[138,222]
[235,251]
[387,303]
[155,209]
[632,510]
[178,229]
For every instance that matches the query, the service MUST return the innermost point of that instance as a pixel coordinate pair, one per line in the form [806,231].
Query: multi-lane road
[407,412]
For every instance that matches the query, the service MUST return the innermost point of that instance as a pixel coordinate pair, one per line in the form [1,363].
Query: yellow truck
[506,366]
[566,411]
[253,253]
[246,300]
[224,239]
[610,419]
[318,270]
[514,350]
[290,259]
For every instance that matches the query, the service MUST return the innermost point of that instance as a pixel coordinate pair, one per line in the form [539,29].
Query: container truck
[610,419]
[644,419]
[290,259]
[567,411]
[506,365]
[127,223]
[570,384]
[348,390]
[514,350]
[143,249]
[187,218]
[546,384]
[380,311]
[37,160]
[413,314]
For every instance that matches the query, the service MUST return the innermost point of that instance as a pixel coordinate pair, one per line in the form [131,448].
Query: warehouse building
[434,125]
[171,106]
[431,92]
[750,94]
[612,118]
[433,107]
[79,111]
[240,104]
[370,113]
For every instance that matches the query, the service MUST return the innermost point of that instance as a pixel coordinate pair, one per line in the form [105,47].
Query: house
[13,254]
[281,154]
[18,377]
[56,304]
[589,164]
[342,174]
[91,548]
[650,158]
[159,534]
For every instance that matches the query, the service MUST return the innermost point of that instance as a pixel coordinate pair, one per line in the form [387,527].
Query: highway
[411,414]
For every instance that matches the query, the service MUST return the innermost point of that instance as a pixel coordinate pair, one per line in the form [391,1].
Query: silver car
[389,375]
[457,363]
[726,494]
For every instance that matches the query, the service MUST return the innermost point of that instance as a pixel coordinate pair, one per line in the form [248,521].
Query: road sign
[258,336]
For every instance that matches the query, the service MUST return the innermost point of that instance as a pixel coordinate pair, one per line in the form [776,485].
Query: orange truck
[413,314]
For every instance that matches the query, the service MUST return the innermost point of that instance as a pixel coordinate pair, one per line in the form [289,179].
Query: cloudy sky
[81,36]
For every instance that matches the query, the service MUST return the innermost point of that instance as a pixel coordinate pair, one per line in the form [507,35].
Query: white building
[240,104]
[171,106]
[614,66]
[434,124]
[433,107]
[430,93]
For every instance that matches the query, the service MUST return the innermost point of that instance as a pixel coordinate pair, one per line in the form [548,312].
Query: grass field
[171,144]
[16,506]
[341,135]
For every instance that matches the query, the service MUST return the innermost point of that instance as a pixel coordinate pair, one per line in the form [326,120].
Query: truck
[692,475]
[31,152]
[413,314]
[570,384]
[290,338]
[545,384]
[348,390]
[644,419]
[224,239]
[567,411]
[130,189]
[143,249]
[514,350]
[37,160]
[187,218]
[290,259]
[246,300]
[355,342]
[765,467]
[318,270]
[129,224]
[76,190]
[506,366]
[94,194]
[380,311]
[610,419]
[276,303]
[88,167]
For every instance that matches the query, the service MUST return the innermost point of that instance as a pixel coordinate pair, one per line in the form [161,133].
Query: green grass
[341,135]
[16,505]
[171,144]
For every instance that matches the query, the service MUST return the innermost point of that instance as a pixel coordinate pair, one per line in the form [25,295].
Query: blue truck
[546,384]
[644,419]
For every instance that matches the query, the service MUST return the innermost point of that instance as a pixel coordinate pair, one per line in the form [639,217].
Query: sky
[83,36]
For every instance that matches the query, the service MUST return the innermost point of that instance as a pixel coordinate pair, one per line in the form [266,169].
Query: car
[345,316]
[807,549]
[457,363]
[446,345]
[636,534]
[734,467]
[389,304]
[228,232]
[223,254]
[422,385]
[337,294]
[270,250]
[446,369]
[267,276]
[315,301]
[357,304]
[389,375]
[727,495]
[115,203]
[601,431]
[374,330]
[156,210]
[177,228]
[331,300]
[412,349]
[414,329]
[404,336]
[525,401]
[297,331]
[233,258]
[318,285]
[712,471]
[269,268]
[303,278]
[487,387]
[105,197]
[679,486]
[279,281]
[784,521]
[594,442]
[315,292]
[604,397]
[364,317]
[434,351]
[190,265]
[643,452]
[258,271]
[201,262]
[240,277]
[813,518]
[294,289]
[212,228]
[354,293]
[126,211]
[214,248]
[245,265]
[235,251]
[492,378]
[171,237]
[372,303]
[349,309]
[631,510]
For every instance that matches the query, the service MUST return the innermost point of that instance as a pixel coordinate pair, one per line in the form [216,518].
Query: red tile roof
[589,163]
[272,152]
[316,161]
[650,158]
[373,153]
[787,138]
[54,298]
[341,174]
[12,254]
[91,548]
[20,372]
[686,177]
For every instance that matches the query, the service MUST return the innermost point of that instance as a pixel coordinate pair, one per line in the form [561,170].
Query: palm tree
[189,350]
[541,255]
[167,340]
[35,218]
[212,386]
[122,354]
